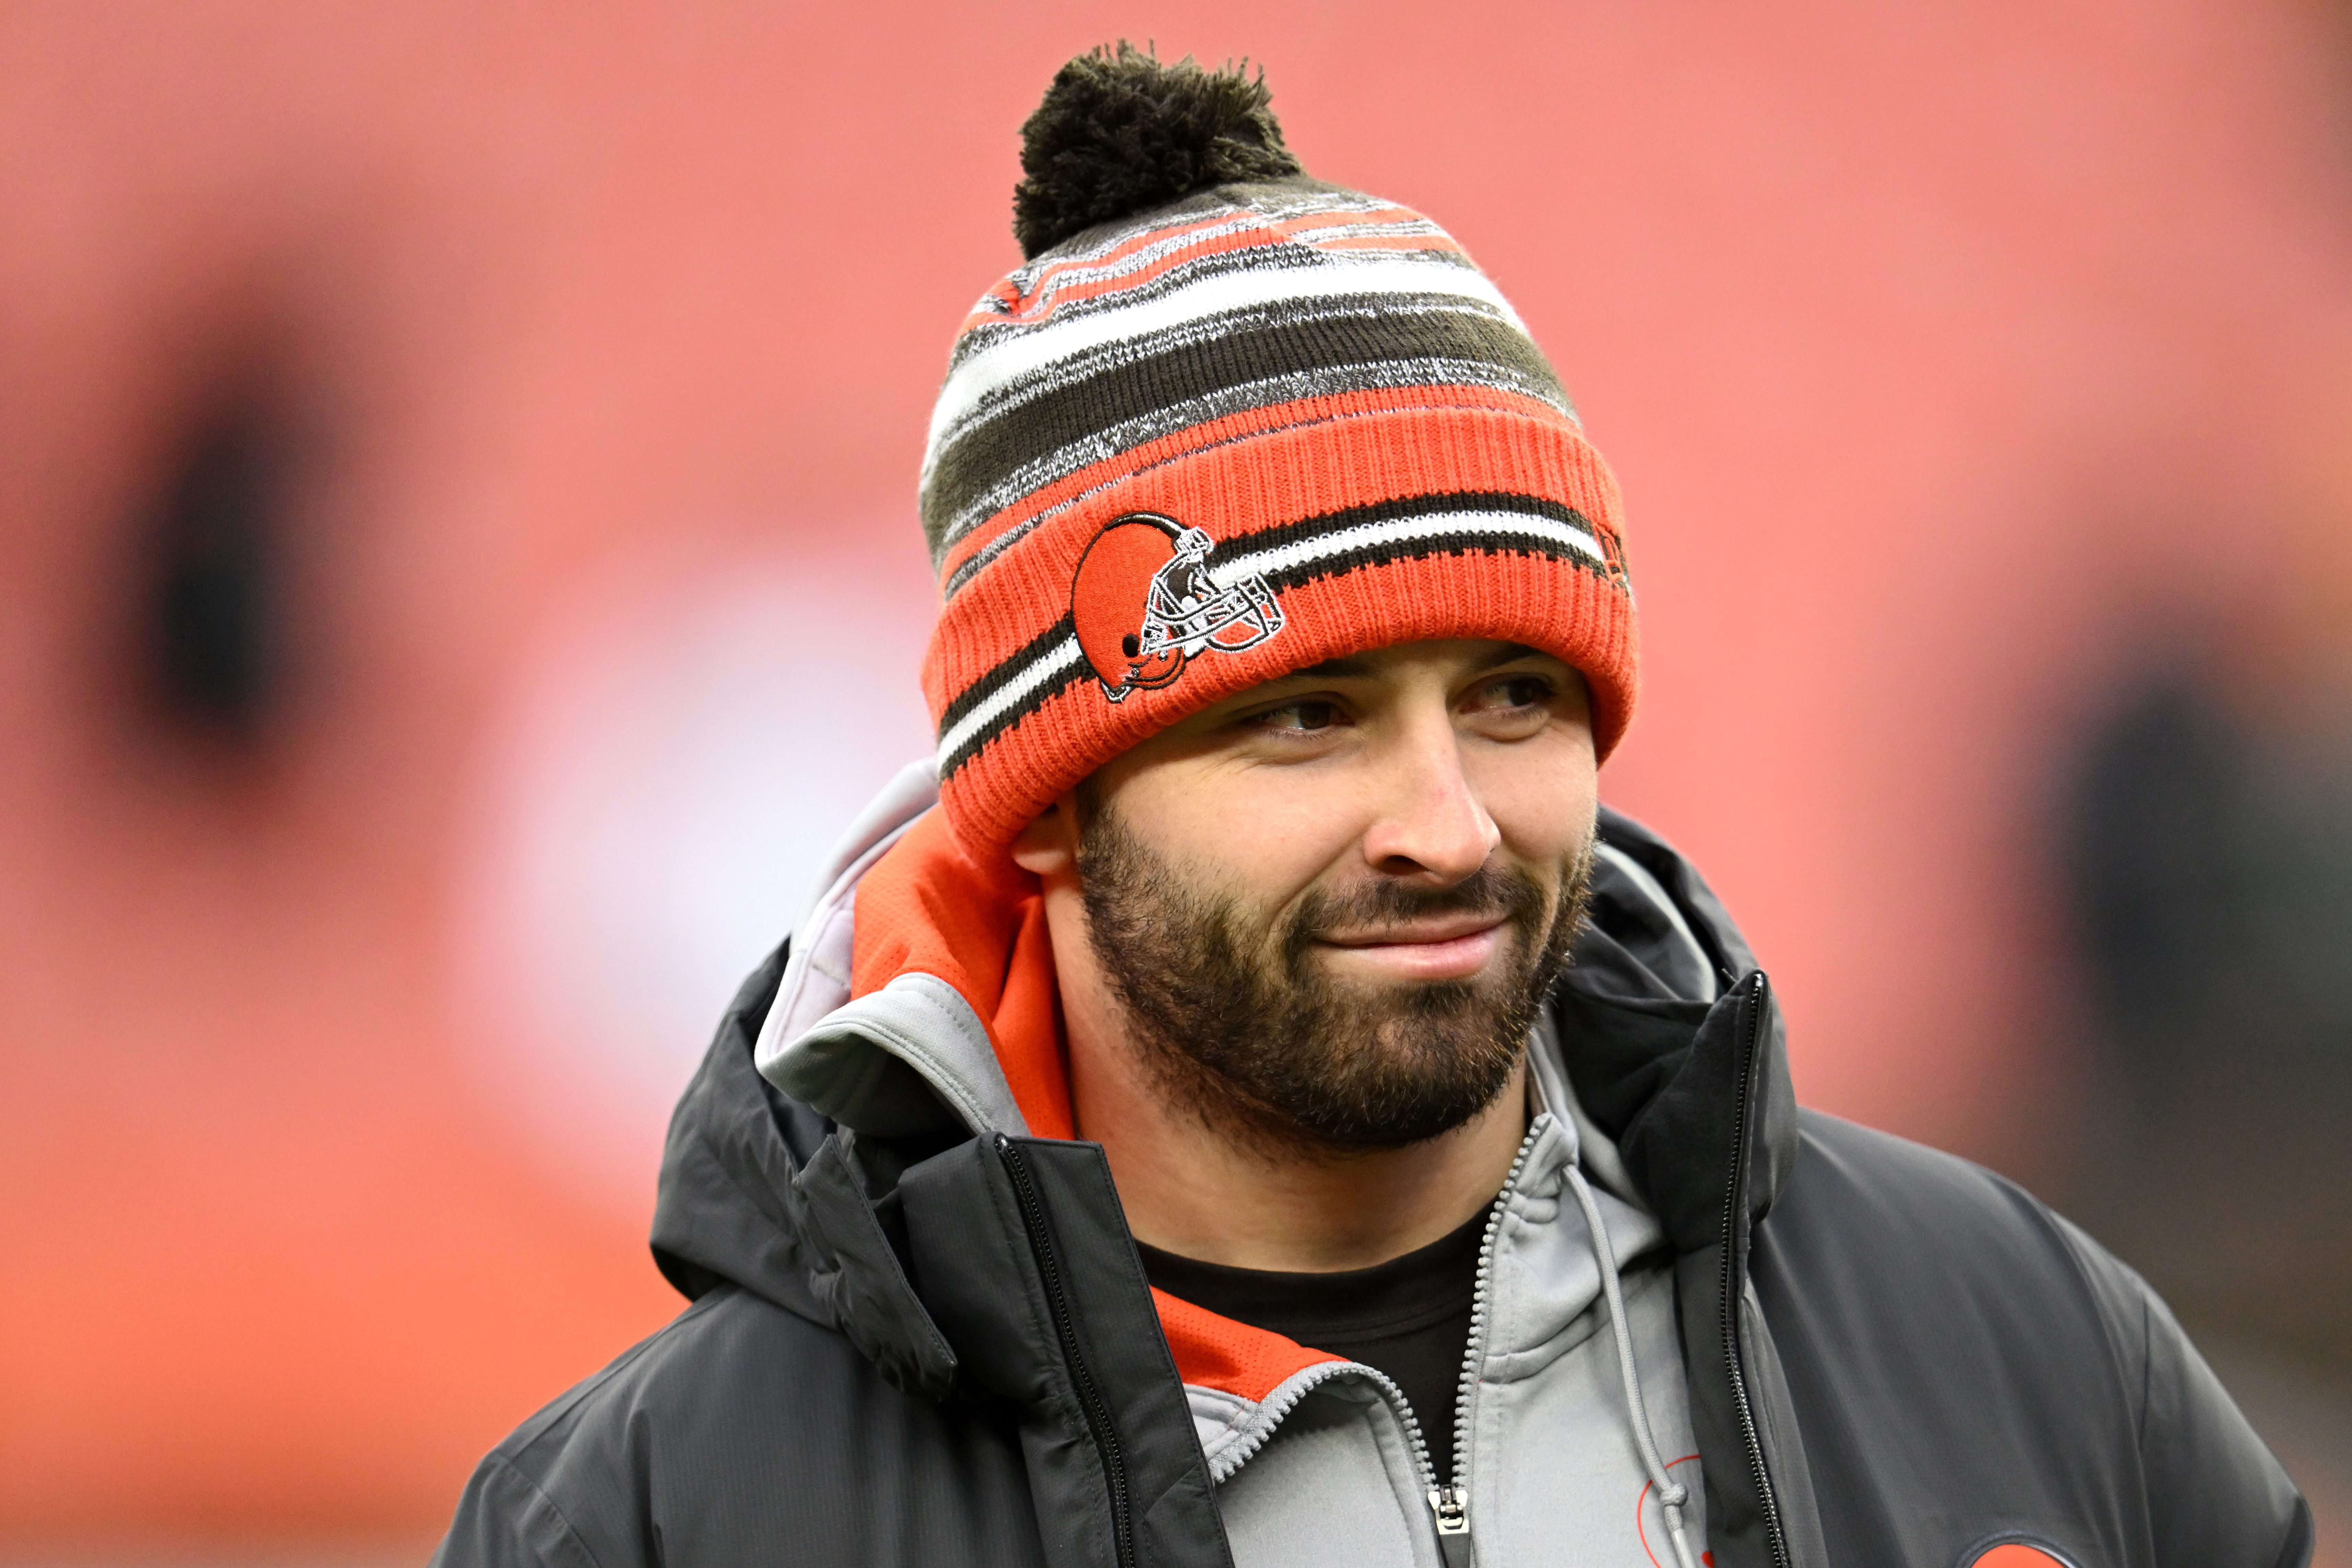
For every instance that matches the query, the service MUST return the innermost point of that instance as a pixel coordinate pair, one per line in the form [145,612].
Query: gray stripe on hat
[1040,348]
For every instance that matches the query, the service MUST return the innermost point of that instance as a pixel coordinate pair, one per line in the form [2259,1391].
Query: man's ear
[1048,846]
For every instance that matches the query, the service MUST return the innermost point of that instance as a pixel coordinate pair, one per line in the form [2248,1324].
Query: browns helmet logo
[1144,603]
[1613,559]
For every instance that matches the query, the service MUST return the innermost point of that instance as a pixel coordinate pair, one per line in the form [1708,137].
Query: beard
[1239,1025]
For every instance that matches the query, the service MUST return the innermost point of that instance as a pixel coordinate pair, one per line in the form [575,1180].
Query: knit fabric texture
[1185,453]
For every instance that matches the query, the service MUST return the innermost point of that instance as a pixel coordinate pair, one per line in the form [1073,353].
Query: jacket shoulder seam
[2088,1259]
[2009,1207]
[554,1511]
[2295,1551]
[594,1384]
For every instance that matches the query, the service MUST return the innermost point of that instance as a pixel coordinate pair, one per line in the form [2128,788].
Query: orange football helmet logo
[1144,602]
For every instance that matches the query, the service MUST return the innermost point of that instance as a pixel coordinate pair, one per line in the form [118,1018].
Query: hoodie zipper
[1090,1400]
[1450,1503]
[1732,1197]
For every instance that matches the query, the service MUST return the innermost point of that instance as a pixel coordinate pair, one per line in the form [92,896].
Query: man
[1243,1100]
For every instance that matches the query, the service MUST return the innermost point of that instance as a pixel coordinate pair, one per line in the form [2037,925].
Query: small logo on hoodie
[1144,602]
[1651,1520]
[2017,1555]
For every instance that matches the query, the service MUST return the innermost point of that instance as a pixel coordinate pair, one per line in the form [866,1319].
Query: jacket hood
[914,1010]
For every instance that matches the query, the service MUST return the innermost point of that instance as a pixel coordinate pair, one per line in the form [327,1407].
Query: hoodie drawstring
[1672,1494]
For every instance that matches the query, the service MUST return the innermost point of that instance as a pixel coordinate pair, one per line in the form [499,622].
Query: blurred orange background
[456,475]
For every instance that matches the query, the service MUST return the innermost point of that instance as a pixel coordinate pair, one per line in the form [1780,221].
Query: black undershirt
[1408,1317]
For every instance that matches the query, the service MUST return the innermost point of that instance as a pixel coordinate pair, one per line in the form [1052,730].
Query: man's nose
[1429,823]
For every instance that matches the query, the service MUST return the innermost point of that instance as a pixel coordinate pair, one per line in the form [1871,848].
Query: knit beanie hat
[1224,422]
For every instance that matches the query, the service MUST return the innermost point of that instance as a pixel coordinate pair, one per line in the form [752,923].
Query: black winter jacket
[1894,1358]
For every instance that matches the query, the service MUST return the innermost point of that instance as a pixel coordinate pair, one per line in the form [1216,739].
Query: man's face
[1331,906]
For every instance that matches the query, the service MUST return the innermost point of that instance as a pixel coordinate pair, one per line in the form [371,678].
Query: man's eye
[1518,691]
[1301,716]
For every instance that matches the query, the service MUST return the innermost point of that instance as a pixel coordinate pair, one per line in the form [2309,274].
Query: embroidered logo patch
[1144,601]
[2017,1555]
[1650,1520]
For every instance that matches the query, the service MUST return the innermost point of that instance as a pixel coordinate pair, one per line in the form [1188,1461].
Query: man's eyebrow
[1333,670]
[1346,668]
[1510,653]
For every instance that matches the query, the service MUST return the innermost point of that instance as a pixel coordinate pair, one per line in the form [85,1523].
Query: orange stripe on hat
[1290,416]
[1302,459]
[1512,599]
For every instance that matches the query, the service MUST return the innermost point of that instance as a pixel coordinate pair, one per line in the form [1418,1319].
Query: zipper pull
[1452,1507]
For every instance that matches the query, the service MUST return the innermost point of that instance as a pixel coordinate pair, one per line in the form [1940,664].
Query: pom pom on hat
[1119,133]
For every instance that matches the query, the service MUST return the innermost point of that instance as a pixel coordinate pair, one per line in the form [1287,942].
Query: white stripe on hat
[1282,558]
[1336,277]
[1055,659]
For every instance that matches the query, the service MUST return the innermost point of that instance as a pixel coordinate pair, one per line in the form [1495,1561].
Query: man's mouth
[1442,947]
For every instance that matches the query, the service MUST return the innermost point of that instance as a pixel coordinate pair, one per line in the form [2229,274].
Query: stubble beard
[1237,1022]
